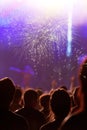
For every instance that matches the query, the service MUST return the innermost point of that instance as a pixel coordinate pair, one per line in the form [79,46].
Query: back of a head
[60,103]
[30,98]
[7,90]
[39,91]
[63,87]
[44,100]
[18,93]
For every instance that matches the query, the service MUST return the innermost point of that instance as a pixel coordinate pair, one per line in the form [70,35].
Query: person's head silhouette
[7,90]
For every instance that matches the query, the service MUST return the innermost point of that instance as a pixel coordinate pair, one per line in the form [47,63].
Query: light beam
[69,33]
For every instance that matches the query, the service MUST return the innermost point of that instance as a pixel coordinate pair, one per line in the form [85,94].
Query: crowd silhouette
[34,109]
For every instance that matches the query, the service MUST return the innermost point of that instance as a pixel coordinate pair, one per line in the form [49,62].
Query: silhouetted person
[9,120]
[17,100]
[45,103]
[39,91]
[30,112]
[78,121]
[60,105]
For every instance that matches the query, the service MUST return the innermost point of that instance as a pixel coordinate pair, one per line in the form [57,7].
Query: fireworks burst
[42,44]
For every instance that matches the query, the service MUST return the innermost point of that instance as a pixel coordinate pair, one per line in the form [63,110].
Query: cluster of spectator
[31,109]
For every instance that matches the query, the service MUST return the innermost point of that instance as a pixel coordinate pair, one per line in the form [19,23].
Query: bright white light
[69,33]
[46,6]
[69,27]
[4,2]
[19,0]
[69,39]
[50,6]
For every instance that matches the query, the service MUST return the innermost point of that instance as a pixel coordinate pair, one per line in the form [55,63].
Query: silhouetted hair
[39,91]
[60,102]
[44,99]
[18,93]
[30,97]
[63,87]
[7,90]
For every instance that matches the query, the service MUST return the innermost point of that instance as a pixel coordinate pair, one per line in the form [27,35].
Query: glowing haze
[46,6]
[50,7]
[43,45]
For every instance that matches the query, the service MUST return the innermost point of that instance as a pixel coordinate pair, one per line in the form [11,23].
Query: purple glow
[30,37]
